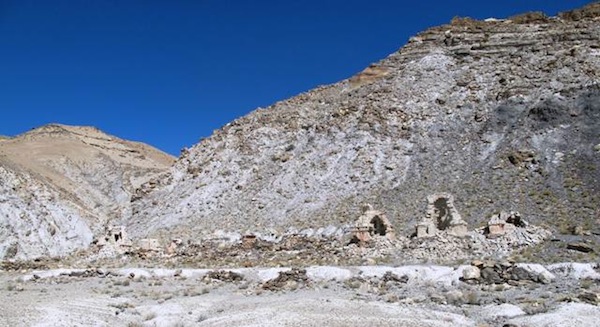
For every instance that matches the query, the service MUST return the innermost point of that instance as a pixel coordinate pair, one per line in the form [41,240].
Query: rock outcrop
[61,186]
[500,113]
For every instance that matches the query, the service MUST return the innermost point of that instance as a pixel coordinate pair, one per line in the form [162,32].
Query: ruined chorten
[441,215]
[370,224]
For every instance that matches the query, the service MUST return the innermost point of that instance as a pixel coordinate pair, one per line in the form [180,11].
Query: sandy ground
[160,297]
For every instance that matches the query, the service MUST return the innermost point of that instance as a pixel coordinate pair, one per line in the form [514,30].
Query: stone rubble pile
[490,272]
[222,276]
[288,280]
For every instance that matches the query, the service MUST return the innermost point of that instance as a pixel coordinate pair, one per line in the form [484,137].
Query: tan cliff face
[504,114]
[61,185]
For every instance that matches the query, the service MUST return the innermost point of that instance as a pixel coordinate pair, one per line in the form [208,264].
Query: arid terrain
[62,185]
[454,183]
[315,296]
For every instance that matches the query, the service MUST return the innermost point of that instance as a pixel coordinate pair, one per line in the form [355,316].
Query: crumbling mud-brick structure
[504,223]
[148,244]
[172,247]
[115,235]
[441,215]
[372,223]
[249,241]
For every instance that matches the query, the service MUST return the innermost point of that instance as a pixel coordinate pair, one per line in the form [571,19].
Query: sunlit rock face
[503,114]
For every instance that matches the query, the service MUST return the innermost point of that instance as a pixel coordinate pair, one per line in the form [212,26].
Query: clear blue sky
[170,72]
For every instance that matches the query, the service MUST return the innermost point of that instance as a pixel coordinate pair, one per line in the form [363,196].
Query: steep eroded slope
[504,114]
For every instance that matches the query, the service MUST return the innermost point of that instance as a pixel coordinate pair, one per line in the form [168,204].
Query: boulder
[471,273]
[541,273]
[590,297]
[581,247]
[520,273]
[491,276]
[455,297]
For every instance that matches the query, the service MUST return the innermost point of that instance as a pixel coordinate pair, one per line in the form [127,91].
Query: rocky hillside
[61,185]
[503,114]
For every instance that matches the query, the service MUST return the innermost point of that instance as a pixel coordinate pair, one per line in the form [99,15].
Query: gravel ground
[315,296]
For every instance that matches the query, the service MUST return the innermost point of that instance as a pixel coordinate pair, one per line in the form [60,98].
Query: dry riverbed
[312,296]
